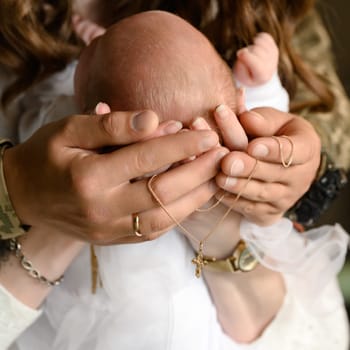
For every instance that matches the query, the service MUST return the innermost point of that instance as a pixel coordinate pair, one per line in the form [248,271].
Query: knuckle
[68,126]
[156,225]
[249,209]
[264,194]
[145,160]
[162,191]
[110,125]
[82,184]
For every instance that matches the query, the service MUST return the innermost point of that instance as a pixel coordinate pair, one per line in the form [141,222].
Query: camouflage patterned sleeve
[314,45]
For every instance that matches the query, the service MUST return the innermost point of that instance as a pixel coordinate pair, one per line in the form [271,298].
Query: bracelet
[323,191]
[241,260]
[16,247]
[10,225]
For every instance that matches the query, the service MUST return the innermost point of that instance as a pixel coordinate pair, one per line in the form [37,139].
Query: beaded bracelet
[10,225]
[16,247]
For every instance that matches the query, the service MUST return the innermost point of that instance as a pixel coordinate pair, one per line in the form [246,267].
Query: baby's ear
[240,100]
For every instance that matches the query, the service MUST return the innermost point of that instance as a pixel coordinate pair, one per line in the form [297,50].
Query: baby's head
[155,60]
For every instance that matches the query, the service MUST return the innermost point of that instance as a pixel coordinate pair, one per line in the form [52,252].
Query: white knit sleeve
[271,94]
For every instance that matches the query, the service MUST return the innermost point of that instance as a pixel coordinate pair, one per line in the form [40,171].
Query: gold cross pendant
[199,261]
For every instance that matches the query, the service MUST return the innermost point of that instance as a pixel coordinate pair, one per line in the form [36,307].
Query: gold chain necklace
[199,260]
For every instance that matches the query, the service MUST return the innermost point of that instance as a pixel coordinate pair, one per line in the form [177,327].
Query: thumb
[111,129]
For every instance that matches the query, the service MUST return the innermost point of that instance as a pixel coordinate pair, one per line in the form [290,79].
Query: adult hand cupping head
[273,188]
[60,179]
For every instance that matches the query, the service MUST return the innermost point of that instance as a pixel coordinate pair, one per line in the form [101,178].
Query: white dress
[150,298]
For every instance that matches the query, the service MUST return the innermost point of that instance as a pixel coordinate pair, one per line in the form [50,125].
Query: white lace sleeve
[313,314]
[15,317]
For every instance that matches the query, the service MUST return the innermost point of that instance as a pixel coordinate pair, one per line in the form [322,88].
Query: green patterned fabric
[314,45]
[10,226]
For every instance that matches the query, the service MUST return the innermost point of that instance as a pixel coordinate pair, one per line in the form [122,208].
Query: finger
[248,56]
[260,213]
[264,121]
[232,132]
[242,73]
[269,122]
[255,190]
[156,221]
[297,141]
[116,128]
[102,108]
[170,185]
[200,124]
[241,165]
[241,101]
[266,41]
[86,29]
[148,156]
[166,128]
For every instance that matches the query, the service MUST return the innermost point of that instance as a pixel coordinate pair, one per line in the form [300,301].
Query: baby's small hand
[257,63]
[86,30]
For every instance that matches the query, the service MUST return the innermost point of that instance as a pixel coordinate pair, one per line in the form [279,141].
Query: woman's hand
[59,179]
[273,189]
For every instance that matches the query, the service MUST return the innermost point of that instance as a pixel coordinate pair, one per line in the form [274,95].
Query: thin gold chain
[198,260]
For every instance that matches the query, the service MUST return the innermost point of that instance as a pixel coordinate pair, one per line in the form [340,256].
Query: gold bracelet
[241,260]
[10,225]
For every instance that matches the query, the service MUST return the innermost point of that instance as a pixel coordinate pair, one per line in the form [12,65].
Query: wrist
[324,190]
[50,253]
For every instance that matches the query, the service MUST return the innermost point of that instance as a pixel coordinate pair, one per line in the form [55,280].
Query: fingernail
[260,151]
[230,182]
[173,127]
[222,111]
[139,122]
[208,141]
[200,124]
[237,167]
[102,108]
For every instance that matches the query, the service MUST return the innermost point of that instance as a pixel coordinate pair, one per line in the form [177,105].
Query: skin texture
[62,149]
[242,314]
[283,186]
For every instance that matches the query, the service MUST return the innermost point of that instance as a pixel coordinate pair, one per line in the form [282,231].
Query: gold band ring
[136,225]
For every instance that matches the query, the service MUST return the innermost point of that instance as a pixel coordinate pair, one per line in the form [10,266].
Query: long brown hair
[36,42]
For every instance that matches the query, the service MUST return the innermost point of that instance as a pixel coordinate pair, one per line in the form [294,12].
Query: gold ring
[136,225]
[286,162]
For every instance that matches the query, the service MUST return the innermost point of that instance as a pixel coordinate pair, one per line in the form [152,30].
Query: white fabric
[270,94]
[151,299]
[14,317]
[279,247]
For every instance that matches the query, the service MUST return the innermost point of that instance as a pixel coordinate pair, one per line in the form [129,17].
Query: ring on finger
[286,162]
[136,225]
